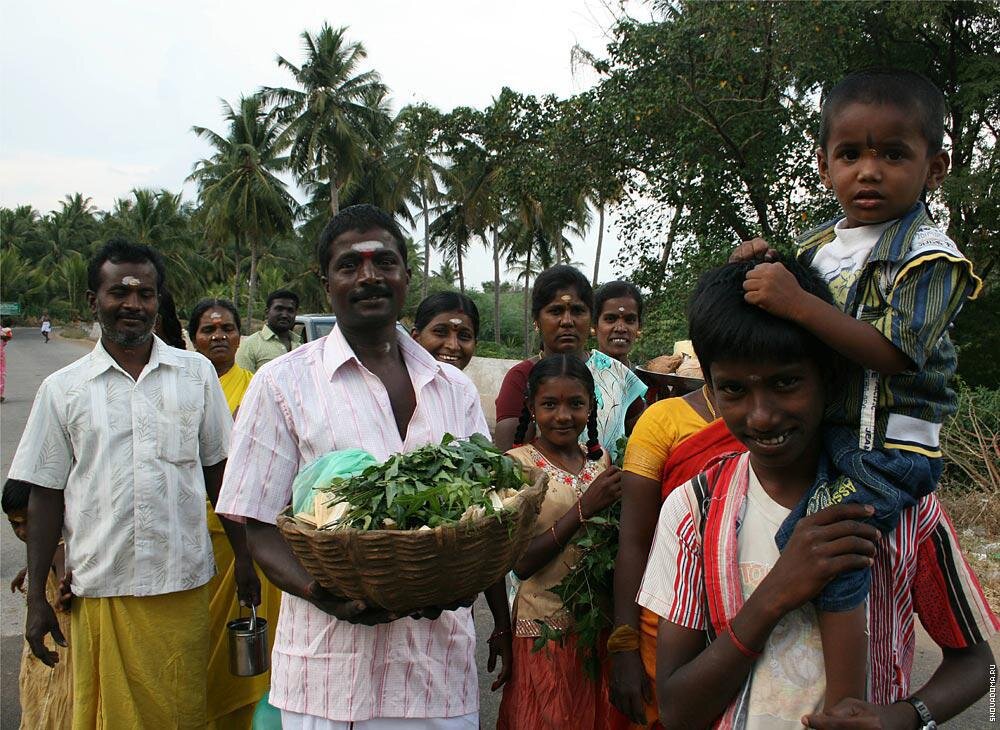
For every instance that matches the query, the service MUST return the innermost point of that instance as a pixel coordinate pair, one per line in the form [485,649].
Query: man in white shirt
[120,448]
[341,664]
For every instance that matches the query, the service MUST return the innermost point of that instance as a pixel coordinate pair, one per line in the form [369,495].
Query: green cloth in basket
[319,473]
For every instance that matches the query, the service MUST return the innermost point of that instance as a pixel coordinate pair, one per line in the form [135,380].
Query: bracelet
[554,538]
[622,639]
[579,510]
[740,646]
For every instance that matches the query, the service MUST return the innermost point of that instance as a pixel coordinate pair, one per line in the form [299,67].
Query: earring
[593,331]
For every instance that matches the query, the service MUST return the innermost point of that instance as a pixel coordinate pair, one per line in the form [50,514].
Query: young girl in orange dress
[548,688]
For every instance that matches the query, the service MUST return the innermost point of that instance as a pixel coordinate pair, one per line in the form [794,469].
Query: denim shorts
[890,480]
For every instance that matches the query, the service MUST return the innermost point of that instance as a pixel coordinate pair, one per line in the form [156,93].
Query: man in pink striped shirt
[339,663]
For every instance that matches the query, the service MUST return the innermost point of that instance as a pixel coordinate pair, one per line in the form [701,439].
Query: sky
[100,97]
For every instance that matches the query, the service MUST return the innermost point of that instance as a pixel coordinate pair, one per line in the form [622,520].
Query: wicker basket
[405,570]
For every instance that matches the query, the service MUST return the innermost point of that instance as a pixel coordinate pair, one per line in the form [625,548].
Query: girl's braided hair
[556,366]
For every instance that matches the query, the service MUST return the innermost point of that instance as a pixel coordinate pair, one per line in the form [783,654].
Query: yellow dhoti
[231,699]
[140,661]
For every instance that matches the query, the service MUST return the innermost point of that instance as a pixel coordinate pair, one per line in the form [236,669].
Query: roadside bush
[971,442]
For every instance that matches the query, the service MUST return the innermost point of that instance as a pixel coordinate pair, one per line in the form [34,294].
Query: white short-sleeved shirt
[320,398]
[129,455]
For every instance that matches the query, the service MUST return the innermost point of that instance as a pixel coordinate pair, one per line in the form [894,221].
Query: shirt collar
[892,245]
[266,333]
[337,352]
[101,360]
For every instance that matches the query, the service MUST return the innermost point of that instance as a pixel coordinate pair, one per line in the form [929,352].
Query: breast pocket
[177,435]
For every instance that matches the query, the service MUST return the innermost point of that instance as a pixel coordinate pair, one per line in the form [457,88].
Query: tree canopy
[699,131]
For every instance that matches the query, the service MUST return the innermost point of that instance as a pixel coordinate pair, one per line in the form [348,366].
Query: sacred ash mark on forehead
[131,282]
[566,298]
[215,316]
[367,248]
[455,321]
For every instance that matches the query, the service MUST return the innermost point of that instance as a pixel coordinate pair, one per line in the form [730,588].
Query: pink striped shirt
[919,570]
[320,398]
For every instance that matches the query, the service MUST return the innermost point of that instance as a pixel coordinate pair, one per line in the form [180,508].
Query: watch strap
[926,718]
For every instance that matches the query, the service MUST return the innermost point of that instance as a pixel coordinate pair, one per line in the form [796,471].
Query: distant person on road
[46,328]
[46,693]
[276,336]
[6,334]
[121,448]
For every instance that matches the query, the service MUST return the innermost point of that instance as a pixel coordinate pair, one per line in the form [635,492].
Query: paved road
[29,361]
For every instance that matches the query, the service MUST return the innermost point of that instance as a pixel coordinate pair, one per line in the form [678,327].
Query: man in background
[275,337]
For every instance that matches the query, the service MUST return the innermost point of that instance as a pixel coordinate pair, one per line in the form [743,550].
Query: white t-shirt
[789,679]
[840,261]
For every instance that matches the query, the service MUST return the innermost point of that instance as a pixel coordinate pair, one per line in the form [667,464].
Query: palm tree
[160,219]
[446,274]
[328,117]
[378,179]
[414,158]
[451,230]
[239,184]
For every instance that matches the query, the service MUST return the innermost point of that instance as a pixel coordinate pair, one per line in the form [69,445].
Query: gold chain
[708,401]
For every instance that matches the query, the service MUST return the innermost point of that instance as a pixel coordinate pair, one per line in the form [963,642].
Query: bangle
[622,639]
[579,510]
[740,646]
[554,538]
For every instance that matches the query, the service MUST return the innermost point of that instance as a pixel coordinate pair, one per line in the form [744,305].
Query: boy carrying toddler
[898,282]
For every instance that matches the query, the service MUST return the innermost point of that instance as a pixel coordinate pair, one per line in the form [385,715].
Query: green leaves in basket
[431,486]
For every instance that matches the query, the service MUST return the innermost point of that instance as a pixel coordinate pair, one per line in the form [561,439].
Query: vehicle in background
[313,326]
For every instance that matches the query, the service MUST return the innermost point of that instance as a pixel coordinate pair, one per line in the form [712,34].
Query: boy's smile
[876,162]
[776,411]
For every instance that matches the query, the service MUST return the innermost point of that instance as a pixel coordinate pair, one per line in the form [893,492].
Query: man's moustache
[369,293]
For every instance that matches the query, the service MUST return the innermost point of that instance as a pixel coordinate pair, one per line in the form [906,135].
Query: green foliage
[431,486]
[701,131]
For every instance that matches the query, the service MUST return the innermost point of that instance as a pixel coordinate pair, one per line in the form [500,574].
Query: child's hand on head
[774,289]
[752,250]
[605,490]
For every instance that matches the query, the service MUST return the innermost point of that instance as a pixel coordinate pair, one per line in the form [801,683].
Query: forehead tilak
[367,249]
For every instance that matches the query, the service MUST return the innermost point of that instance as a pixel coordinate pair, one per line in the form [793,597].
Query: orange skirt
[649,626]
[548,690]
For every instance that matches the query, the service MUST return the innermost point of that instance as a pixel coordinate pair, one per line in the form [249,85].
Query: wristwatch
[926,719]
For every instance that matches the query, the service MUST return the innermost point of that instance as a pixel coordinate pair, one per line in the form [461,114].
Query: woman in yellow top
[214,329]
